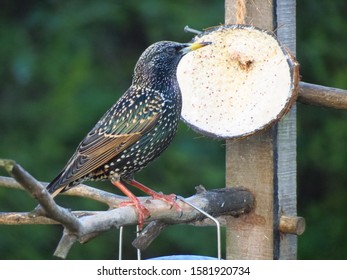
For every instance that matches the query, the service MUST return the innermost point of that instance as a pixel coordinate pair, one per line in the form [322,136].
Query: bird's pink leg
[170,199]
[142,211]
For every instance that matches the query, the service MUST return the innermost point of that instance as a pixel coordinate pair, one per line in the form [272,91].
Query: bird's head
[160,60]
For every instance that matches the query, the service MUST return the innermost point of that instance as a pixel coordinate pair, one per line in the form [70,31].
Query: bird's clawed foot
[142,212]
[169,199]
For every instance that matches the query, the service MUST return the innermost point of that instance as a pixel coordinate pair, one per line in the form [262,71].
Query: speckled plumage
[137,128]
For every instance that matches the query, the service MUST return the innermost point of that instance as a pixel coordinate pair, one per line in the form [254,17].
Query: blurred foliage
[322,133]
[63,63]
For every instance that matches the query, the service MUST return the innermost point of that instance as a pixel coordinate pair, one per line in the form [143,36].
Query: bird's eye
[171,50]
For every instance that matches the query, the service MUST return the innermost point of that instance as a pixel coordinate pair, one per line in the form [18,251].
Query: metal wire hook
[120,243]
[219,251]
[138,250]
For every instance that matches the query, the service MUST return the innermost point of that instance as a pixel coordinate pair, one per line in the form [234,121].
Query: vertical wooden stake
[286,245]
[265,163]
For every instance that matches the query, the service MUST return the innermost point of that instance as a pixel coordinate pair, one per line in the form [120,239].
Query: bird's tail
[55,187]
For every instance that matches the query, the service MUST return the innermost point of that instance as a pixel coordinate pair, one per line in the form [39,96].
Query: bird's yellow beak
[194,46]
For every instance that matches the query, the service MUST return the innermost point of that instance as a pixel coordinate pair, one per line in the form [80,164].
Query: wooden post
[265,163]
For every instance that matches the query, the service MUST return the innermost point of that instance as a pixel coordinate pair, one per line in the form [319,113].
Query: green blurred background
[64,63]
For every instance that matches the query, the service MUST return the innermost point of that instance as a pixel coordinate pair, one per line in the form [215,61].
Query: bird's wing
[98,148]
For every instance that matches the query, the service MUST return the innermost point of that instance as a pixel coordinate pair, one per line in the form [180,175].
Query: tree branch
[81,190]
[82,226]
[40,193]
[322,96]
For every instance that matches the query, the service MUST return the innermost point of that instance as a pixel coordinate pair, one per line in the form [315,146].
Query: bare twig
[81,190]
[24,218]
[65,245]
[322,96]
[147,236]
[40,193]
[28,218]
[82,226]
[232,200]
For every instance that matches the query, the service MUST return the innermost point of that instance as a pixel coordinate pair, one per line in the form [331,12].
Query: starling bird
[135,130]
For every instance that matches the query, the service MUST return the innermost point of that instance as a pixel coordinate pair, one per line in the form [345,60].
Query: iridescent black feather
[137,129]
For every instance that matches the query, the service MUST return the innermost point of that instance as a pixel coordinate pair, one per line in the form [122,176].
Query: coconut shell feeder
[241,84]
